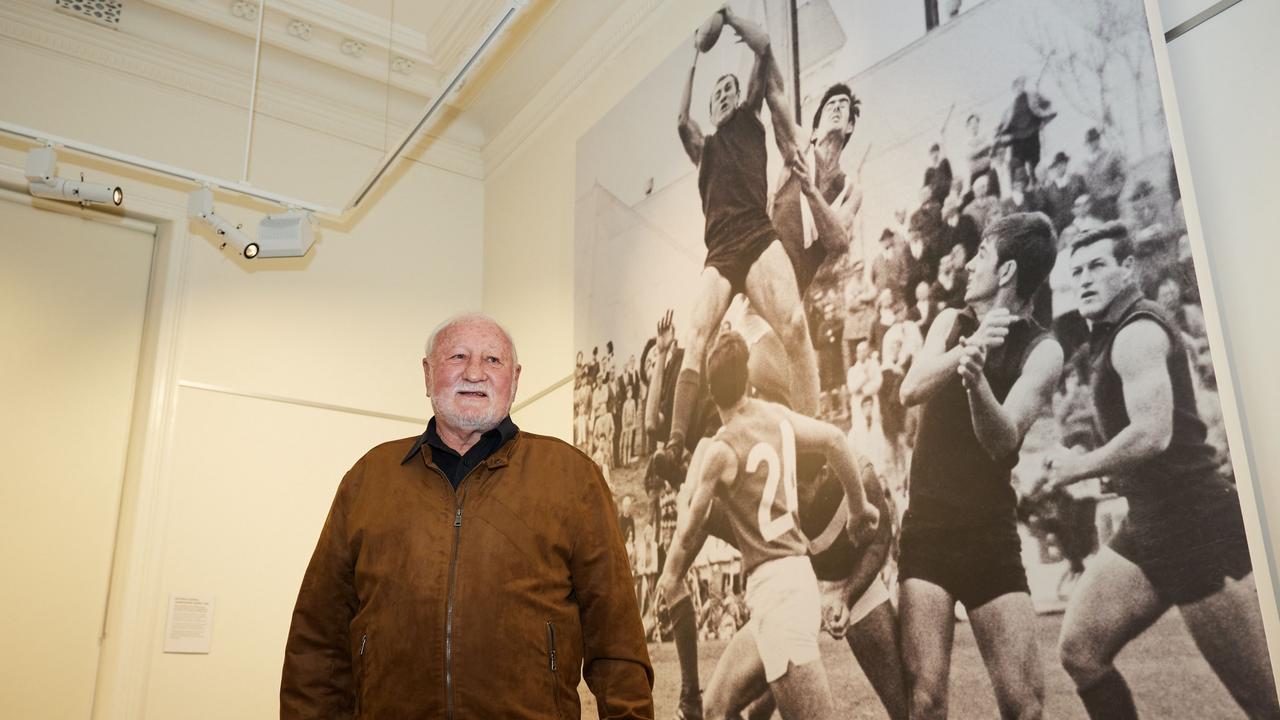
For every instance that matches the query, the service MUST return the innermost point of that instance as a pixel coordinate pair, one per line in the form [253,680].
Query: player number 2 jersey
[762,502]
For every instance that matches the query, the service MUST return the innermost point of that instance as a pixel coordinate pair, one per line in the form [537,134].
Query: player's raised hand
[666,332]
[973,358]
[800,166]
[1059,465]
[993,329]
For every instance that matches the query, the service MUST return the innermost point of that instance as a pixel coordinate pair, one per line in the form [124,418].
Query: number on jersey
[781,472]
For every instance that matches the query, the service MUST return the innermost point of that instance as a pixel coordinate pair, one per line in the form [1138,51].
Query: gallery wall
[265,383]
[261,383]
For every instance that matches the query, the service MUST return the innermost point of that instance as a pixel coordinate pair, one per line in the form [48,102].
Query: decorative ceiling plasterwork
[329,25]
[54,34]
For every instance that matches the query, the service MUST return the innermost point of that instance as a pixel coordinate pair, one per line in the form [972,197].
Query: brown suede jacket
[485,602]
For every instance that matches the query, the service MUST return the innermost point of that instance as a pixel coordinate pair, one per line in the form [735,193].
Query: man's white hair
[466,317]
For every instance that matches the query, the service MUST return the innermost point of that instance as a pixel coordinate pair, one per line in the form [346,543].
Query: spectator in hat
[1155,251]
[1060,191]
[937,177]
[1104,176]
[889,268]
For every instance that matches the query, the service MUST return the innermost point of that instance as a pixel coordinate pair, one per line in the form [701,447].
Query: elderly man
[475,571]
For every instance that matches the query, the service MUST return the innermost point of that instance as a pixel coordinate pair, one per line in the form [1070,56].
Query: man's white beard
[482,420]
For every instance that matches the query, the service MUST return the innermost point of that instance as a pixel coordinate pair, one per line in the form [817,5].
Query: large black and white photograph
[890,344]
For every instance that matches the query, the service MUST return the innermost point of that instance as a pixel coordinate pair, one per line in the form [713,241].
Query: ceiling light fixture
[42,181]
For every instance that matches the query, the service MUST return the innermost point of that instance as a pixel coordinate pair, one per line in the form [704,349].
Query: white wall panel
[72,299]
[1224,77]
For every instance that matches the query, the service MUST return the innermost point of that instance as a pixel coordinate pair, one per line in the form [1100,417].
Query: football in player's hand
[709,33]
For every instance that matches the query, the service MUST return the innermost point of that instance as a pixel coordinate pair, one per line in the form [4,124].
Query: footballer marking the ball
[709,33]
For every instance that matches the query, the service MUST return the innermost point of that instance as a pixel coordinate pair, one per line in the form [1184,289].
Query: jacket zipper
[551,644]
[551,664]
[364,640]
[448,623]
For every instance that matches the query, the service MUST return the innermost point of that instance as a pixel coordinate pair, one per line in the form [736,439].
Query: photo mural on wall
[890,343]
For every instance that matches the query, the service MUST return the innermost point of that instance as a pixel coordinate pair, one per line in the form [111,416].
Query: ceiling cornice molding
[92,44]
[616,33]
[330,24]
[51,34]
[470,20]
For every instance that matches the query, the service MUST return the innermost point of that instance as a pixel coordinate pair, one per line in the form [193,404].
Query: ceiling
[385,58]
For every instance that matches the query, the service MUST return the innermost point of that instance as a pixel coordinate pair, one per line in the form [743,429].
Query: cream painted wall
[226,490]
[69,346]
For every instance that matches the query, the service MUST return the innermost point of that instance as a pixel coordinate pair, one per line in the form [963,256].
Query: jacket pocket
[552,668]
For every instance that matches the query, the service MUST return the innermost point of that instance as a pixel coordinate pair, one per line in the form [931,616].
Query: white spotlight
[200,207]
[42,182]
[288,234]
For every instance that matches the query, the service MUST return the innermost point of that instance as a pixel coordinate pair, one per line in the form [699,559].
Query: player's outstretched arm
[816,436]
[833,221]
[998,426]
[690,134]
[873,557]
[934,365]
[720,466]
[666,338]
[1148,400]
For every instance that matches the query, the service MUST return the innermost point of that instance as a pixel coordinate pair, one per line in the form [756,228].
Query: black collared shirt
[455,466]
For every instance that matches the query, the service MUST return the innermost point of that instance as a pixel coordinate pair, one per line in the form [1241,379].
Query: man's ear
[1007,273]
[426,374]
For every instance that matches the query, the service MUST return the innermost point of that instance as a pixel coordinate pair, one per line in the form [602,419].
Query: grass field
[1167,674]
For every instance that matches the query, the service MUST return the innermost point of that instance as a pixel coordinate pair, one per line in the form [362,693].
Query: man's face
[867,405]
[983,272]
[471,376]
[1146,213]
[886,245]
[724,99]
[835,116]
[1169,295]
[934,156]
[625,505]
[863,351]
[1098,278]
[922,292]
[1080,208]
